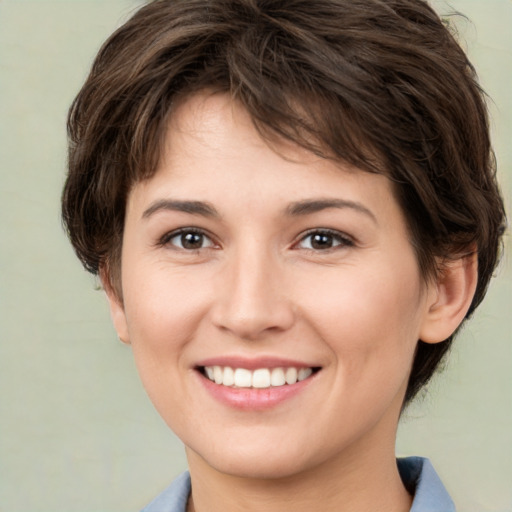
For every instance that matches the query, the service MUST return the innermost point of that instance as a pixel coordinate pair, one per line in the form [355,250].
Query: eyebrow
[298,208]
[194,207]
[310,206]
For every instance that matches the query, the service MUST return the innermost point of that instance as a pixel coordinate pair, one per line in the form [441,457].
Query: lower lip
[254,399]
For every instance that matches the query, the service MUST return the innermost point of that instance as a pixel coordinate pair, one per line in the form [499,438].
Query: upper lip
[255,363]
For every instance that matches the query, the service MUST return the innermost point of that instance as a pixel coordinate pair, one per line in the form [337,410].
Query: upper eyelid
[328,231]
[169,235]
[166,237]
[345,239]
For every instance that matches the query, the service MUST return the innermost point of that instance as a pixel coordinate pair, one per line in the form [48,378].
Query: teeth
[228,376]
[217,374]
[304,373]
[291,375]
[243,378]
[277,377]
[261,378]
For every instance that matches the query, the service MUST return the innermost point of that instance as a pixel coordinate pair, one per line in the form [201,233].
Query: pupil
[192,240]
[321,241]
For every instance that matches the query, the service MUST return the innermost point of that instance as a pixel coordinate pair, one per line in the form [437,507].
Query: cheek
[371,329]
[163,303]
[163,313]
[163,310]
[370,320]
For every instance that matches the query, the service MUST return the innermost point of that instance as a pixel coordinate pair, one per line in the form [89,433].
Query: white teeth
[291,375]
[261,378]
[229,376]
[277,377]
[243,378]
[217,374]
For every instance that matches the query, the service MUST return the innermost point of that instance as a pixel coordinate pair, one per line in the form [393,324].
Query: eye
[188,239]
[323,240]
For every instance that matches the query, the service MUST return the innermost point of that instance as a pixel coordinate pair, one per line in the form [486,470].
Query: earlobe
[116,308]
[454,290]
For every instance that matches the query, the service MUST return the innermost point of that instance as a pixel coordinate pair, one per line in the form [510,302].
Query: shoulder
[174,498]
[422,481]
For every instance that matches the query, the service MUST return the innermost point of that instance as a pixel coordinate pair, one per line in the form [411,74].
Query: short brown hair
[382,85]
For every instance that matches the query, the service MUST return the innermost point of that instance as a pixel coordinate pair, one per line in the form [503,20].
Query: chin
[270,462]
[258,469]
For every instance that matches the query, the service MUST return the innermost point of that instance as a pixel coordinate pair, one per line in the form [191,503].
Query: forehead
[213,152]
[218,122]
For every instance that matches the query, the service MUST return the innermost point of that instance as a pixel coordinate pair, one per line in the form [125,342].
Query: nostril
[252,323]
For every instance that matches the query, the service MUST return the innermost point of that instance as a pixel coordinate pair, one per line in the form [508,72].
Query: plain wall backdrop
[77,433]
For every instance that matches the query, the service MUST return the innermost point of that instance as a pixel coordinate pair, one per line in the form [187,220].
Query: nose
[252,298]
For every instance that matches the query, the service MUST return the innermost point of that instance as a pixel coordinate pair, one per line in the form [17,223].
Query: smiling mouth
[261,378]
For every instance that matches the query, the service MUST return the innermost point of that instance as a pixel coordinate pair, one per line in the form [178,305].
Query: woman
[292,208]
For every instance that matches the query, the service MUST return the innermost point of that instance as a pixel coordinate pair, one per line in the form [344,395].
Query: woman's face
[274,265]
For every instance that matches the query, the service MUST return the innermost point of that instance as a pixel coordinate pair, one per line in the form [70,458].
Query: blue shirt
[418,475]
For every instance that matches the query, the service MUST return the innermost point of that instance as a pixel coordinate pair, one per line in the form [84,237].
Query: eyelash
[166,239]
[340,240]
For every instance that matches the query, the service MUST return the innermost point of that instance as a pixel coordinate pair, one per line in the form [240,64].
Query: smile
[260,378]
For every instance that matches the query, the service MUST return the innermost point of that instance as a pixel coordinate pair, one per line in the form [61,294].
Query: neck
[364,483]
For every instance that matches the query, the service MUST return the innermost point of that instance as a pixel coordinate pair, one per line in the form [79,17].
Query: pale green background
[77,432]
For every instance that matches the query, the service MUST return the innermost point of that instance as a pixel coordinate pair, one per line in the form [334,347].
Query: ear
[116,307]
[450,297]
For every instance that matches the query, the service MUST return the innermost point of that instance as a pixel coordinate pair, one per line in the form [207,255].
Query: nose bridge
[254,300]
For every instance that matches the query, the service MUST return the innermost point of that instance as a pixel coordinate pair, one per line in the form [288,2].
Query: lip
[255,363]
[253,399]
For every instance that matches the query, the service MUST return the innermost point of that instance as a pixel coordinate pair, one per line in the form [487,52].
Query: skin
[257,287]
